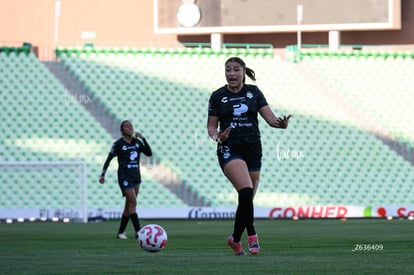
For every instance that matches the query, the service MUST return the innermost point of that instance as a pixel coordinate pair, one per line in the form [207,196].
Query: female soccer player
[128,149]
[233,109]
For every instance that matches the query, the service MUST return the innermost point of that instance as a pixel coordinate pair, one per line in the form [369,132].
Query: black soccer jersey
[128,155]
[238,110]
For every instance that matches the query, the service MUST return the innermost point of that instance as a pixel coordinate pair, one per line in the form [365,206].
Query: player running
[234,108]
[128,149]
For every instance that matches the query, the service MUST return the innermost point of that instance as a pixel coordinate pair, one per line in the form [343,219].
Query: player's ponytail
[249,72]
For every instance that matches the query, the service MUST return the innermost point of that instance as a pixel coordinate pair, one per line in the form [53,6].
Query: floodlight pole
[57,14]
[299,17]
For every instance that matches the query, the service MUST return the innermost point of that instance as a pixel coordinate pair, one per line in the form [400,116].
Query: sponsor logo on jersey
[133,155]
[239,109]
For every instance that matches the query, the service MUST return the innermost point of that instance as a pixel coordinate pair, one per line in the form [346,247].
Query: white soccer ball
[152,238]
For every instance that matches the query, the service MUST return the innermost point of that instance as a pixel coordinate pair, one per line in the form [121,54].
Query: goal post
[43,190]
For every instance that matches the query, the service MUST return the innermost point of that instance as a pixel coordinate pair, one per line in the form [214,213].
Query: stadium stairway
[110,121]
[89,102]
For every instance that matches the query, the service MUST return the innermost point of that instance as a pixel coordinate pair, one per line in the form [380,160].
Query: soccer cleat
[253,243]
[121,236]
[237,247]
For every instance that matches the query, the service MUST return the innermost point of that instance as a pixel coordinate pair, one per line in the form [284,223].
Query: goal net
[43,190]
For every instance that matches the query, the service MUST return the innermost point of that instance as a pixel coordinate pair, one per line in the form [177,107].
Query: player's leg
[125,216]
[130,206]
[137,223]
[136,187]
[123,224]
[237,172]
[252,239]
[255,176]
[253,158]
[254,162]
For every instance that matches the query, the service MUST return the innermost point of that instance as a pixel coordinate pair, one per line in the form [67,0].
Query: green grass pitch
[198,247]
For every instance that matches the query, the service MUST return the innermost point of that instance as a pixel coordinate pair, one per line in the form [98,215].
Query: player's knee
[131,203]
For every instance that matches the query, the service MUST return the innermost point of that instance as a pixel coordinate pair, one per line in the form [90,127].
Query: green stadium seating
[342,163]
[331,154]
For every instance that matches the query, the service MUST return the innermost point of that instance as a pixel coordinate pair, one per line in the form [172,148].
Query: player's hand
[139,135]
[282,122]
[223,136]
[102,180]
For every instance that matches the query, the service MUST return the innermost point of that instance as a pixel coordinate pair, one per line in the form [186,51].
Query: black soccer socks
[244,214]
[123,224]
[135,221]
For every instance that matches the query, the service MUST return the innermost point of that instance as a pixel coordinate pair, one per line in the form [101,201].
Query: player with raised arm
[127,149]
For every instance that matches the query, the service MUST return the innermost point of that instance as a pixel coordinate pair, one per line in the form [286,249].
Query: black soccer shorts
[251,153]
[126,182]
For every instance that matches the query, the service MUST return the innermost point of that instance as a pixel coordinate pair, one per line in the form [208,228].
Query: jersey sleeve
[110,156]
[212,106]
[145,147]
[261,100]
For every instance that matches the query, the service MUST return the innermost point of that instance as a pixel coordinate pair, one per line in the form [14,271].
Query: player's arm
[146,148]
[213,132]
[212,124]
[272,119]
[105,167]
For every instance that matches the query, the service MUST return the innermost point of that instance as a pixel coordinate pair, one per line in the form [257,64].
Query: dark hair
[249,72]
